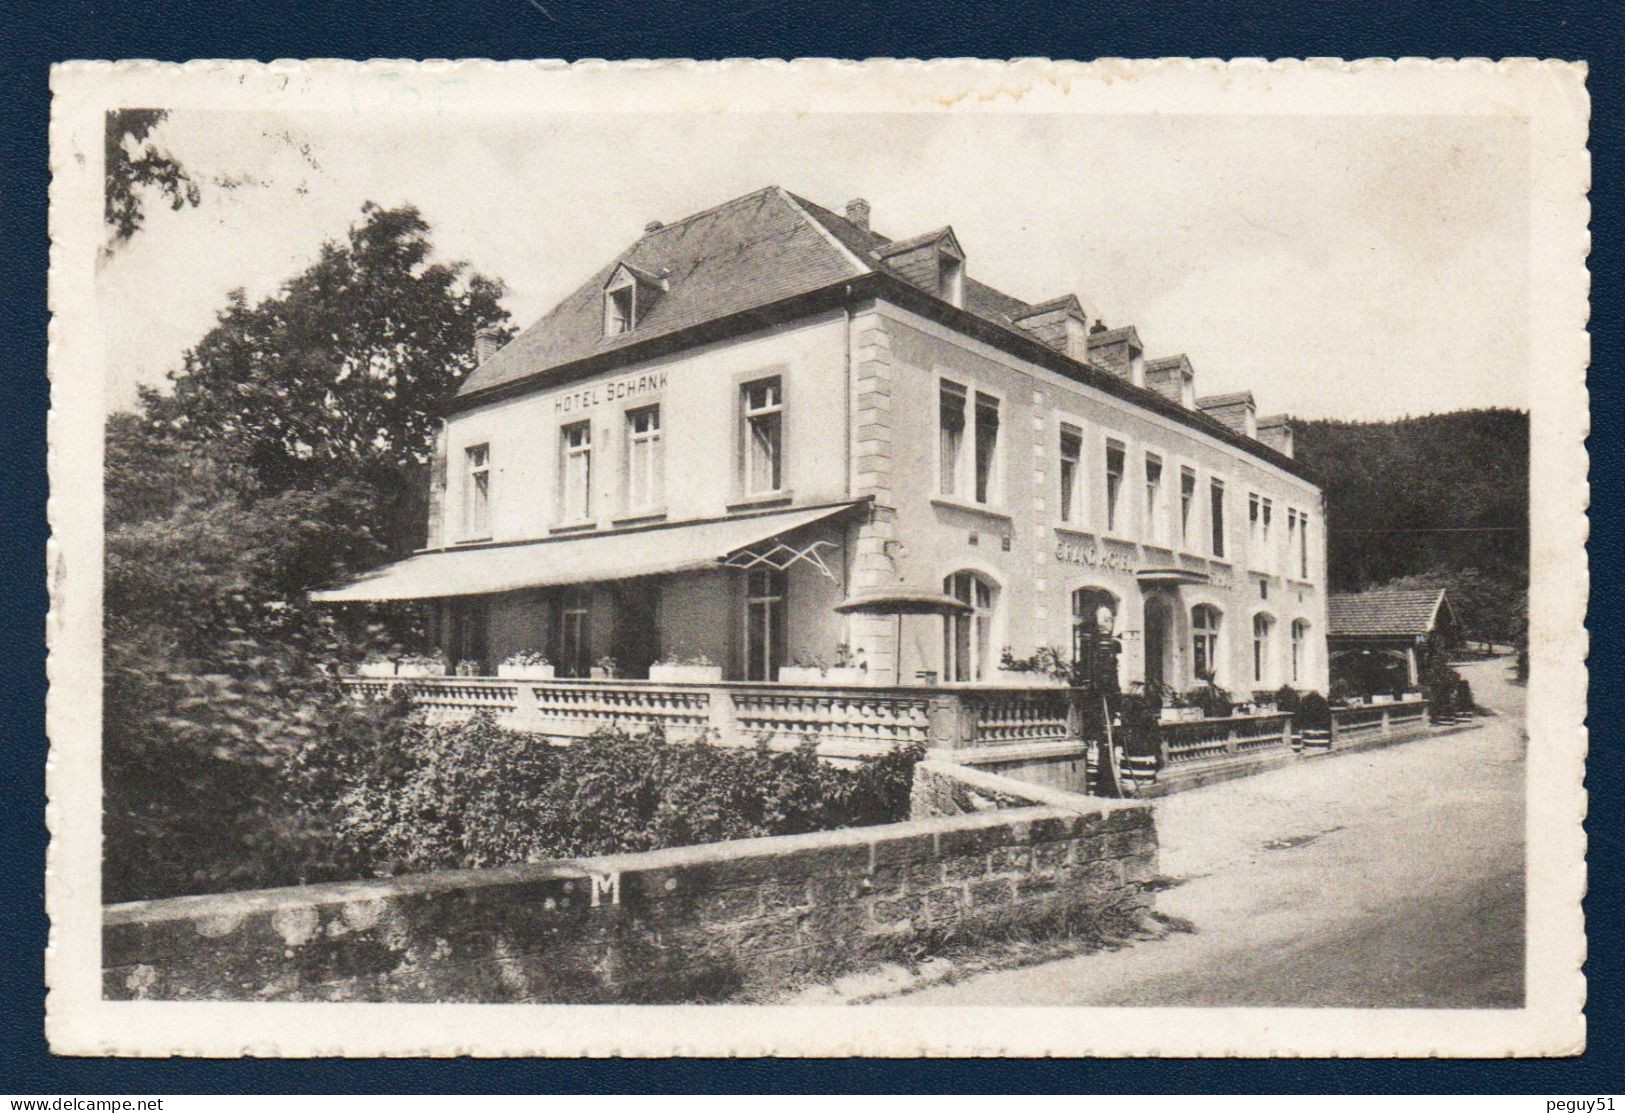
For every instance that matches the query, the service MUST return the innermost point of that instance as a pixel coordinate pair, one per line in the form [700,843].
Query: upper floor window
[1153,497]
[1216,495]
[1187,504]
[762,403]
[575,471]
[987,445]
[477,491]
[1303,546]
[951,400]
[645,460]
[1071,463]
[1114,484]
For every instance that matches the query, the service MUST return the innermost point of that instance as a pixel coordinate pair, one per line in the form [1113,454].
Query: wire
[1435,529]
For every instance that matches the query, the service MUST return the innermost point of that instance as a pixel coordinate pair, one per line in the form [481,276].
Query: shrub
[1287,699]
[473,794]
[1313,713]
[1214,701]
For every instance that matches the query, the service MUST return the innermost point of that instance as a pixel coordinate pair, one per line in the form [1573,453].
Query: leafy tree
[134,164]
[341,375]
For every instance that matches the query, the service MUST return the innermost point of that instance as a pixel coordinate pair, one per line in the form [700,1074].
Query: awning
[1154,577]
[656,551]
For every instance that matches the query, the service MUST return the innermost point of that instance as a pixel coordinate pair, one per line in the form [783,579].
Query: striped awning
[620,555]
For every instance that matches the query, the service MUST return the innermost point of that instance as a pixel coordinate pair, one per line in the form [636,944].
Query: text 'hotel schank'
[765,431]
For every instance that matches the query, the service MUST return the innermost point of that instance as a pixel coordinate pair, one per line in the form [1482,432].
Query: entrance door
[1156,643]
[637,627]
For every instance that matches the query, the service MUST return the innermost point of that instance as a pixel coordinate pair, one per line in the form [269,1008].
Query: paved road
[1388,878]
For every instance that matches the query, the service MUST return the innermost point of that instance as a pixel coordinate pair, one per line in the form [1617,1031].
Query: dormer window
[620,305]
[951,279]
[629,295]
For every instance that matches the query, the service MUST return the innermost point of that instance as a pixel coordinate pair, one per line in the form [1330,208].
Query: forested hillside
[1437,499]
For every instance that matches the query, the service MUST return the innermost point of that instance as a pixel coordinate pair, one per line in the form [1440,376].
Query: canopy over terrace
[739,541]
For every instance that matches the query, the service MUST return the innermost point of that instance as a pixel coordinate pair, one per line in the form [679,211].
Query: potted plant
[526,665]
[1048,666]
[375,664]
[606,667]
[846,669]
[1288,702]
[1214,701]
[468,667]
[695,669]
[421,664]
[1314,722]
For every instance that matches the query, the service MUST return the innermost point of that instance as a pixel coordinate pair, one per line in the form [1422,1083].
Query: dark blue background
[41,33]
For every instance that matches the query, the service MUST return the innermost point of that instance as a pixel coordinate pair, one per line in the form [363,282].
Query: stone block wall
[691,923]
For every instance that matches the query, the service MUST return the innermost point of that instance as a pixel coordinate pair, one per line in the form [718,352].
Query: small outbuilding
[1373,635]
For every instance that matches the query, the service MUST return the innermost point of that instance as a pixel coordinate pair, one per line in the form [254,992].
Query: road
[1390,878]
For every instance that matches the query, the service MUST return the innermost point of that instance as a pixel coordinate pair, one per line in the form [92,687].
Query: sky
[1350,267]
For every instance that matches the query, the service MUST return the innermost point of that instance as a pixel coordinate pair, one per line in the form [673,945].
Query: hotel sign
[615,390]
[1074,552]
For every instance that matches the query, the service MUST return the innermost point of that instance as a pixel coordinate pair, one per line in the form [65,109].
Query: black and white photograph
[861,567]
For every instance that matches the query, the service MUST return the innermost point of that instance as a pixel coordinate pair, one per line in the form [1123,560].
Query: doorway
[1157,643]
[637,627]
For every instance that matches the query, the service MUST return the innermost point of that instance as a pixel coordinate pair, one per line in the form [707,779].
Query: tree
[133,164]
[341,375]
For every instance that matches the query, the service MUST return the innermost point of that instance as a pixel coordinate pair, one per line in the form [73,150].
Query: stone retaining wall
[691,923]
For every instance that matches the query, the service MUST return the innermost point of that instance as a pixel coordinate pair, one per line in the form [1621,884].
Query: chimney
[1276,431]
[486,343]
[1174,378]
[1119,351]
[857,212]
[1235,411]
[1060,323]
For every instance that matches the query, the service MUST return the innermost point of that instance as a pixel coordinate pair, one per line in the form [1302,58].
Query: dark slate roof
[1273,420]
[1111,336]
[1168,363]
[748,252]
[1383,614]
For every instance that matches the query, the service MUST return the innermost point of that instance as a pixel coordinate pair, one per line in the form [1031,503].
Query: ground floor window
[574,634]
[466,629]
[1300,636]
[1205,641]
[967,635]
[1263,627]
[765,592]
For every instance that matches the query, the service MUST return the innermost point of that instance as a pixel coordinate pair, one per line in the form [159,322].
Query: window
[575,472]
[967,635]
[1303,546]
[764,623]
[987,445]
[1263,625]
[1252,521]
[645,460]
[573,636]
[1071,460]
[620,306]
[1205,642]
[1291,537]
[1216,495]
[469,620]
[1300,635]
[1086,605]
[1114,484]
[477,491]
[1187,501]
[950,435]
[764,436]
[1153,497]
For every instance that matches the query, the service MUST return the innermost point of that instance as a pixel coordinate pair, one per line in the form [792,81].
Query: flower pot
[1375,700]
[525,672]
[418,669]
[1011,678]
[836,676]
[1317,740]
[375,668]
[686,674]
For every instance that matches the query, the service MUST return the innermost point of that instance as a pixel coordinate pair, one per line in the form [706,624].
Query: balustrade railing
[1182,743]
[1350,724]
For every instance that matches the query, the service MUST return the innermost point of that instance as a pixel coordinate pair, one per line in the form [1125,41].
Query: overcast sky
[1348,267]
